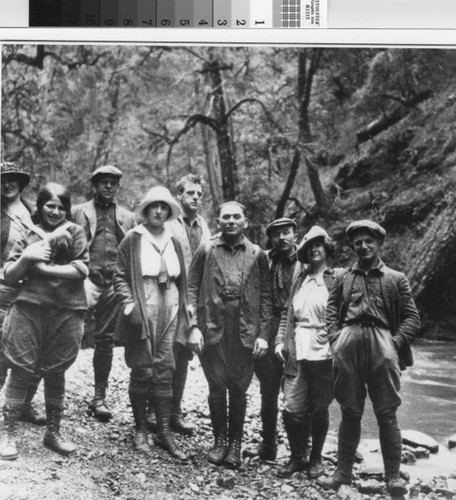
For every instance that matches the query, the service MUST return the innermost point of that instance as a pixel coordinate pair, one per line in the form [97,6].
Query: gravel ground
[105,465]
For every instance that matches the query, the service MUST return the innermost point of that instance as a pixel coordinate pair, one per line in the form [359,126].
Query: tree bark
[433,274]
[224,144]
[388,120]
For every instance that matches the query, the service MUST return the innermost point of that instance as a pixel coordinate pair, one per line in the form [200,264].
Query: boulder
[346,492]
[371,487]
[452,442]
[419,439]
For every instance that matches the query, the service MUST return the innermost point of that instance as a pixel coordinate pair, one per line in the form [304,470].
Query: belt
[230,296]
[364,323]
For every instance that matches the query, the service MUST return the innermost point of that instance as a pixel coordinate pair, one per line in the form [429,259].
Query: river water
[428,394]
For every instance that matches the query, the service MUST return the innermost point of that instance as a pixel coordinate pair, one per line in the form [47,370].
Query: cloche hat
[314,233]
[159,193]
[9,168]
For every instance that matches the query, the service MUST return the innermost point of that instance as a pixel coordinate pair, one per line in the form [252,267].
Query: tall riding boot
[102,362]
[165,438]
[236,417]
[8,448]
[178,424]
[138,400]
[349,435]
[217,408]
[306,437]
[29,413]
[268,447]
[52,438]
[391,445]
[320,424]
[150,413]
[3,369]
[294,429]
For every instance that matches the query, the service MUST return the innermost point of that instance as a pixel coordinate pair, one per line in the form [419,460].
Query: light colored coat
[86,216]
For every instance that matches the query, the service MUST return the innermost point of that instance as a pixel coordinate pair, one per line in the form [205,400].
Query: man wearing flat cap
[371,318]
[282,259]
[105,224]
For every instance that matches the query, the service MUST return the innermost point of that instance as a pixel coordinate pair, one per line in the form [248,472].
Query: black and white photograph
[227,272]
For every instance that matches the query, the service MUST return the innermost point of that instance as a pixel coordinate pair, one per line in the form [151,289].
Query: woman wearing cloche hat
[150,278]
[302,343]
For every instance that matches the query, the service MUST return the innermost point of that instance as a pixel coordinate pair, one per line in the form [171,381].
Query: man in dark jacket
[230,296]
[283,263]
[105,224]
[371,318]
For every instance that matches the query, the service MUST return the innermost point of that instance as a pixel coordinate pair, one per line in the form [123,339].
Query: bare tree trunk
[433,274]
[308,64]
[227,161]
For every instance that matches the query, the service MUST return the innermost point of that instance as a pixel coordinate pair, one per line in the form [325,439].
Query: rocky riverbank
[105,466]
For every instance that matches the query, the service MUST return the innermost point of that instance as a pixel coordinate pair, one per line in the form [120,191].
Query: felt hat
[159,193]
[366,225]
[106,170]
[10,169]
[314,233]
[283,221]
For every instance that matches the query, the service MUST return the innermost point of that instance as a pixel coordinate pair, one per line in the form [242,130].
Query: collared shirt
[106,239]
[231,262]
[152,250]
[366,299]
[194,232]
[282,270]
[309,305]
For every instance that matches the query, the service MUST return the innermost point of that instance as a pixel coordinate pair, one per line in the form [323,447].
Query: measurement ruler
[218,14]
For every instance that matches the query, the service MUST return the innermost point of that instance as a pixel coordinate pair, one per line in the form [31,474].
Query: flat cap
[284,221]
[366,225]
[106,170]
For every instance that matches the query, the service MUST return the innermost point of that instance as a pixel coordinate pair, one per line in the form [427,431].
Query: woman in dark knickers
[151,280]
[44,326]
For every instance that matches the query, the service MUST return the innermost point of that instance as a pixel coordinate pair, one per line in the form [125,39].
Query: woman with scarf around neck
[150,277]
[302,344]
[44,326]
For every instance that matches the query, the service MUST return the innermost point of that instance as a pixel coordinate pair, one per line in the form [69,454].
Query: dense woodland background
[325,135]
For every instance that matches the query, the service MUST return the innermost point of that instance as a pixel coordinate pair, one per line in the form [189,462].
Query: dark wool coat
[206,286]
[128,284]
[403,316]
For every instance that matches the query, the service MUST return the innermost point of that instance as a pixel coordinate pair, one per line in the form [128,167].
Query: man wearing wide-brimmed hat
[15,220]
[371,319]
[105,224]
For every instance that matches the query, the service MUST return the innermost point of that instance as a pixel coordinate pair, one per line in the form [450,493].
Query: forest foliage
[319,134]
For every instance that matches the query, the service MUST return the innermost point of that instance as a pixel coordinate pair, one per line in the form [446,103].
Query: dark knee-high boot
[165,439]
[138,391]
[391,445]
[178,423]
[150,413]
[217,408]
[102,363]
[29,412]
[268,447]
[236,418]
[54,394]
[349,435]
[294,428]
[16,390]
[320,424]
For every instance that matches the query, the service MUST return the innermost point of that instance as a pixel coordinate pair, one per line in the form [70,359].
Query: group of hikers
[158,283]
